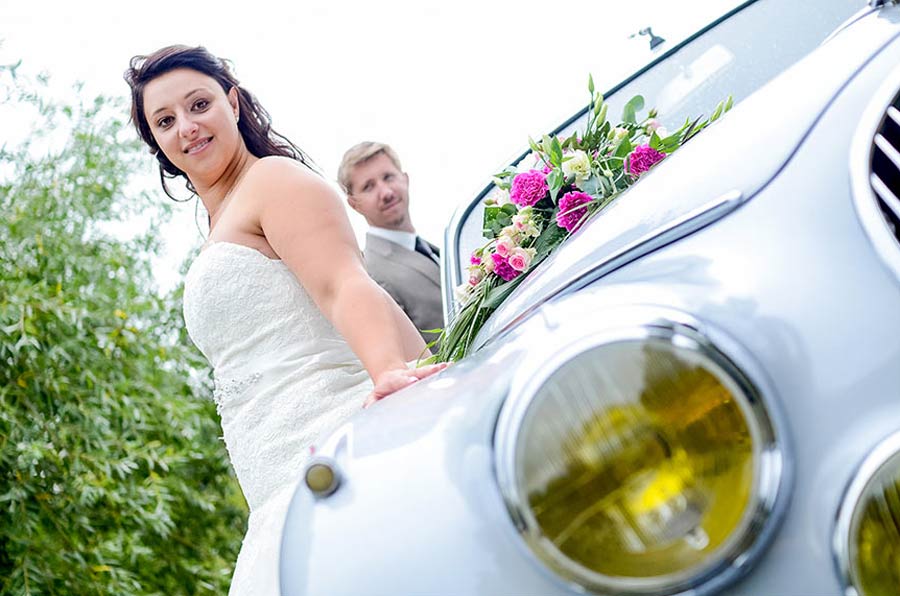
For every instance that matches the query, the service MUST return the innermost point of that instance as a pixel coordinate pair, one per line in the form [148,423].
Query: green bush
[113,479]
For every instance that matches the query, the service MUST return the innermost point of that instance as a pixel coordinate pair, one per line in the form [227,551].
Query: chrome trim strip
[755,395]
[862,185]
[448,263]
[885,194]
[668,233]
[889,150]
[451,268]
[894,114]
[866,470]
[864,12]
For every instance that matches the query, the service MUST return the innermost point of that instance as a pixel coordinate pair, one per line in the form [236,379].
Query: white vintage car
[699,393]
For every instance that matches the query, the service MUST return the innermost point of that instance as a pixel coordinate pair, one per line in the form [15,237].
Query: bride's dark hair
[255,125]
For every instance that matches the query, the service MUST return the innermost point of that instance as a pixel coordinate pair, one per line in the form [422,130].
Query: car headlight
[867,532]
[640,461]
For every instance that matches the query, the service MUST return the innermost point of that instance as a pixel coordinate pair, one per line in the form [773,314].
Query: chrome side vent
[885,176]
[875,172]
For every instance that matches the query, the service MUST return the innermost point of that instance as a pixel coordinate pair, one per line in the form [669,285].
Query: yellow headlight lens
[875,533]
[635,462]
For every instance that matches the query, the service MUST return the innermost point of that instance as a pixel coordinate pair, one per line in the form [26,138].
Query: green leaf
[589,186]
[624,148]
[550,238]
[691,130]
[638,102]
[501,292]
[634,105]
[556,153]
[554,182]
[495,219]
[546,144]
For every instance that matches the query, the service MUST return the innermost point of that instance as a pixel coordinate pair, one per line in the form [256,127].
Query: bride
[278,300]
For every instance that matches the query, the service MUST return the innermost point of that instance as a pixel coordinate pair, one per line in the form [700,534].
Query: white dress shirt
[405,239]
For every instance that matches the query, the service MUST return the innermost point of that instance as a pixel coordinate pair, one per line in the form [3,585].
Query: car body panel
[790,276]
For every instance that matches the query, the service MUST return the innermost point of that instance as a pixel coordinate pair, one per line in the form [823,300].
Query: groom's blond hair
[363,152]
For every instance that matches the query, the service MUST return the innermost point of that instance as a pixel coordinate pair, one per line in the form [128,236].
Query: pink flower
[502,268]
[475,259]
[528,188]
[569,215]
[504,245]
[475,277]
[642,159]
[520,258]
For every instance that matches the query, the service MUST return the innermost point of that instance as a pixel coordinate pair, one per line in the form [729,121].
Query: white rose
[577,164]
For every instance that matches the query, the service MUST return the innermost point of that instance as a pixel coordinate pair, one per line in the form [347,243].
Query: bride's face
[194,122]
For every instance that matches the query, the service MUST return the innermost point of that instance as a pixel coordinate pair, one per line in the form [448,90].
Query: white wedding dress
[283,378]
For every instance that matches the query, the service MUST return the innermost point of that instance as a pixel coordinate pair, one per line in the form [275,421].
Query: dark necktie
[423,248]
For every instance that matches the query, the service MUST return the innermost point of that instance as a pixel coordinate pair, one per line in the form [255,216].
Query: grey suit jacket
[412,279]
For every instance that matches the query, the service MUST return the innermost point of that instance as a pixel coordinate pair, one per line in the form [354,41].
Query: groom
[404,264]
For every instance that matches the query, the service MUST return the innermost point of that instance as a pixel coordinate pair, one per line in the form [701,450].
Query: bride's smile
[197,130]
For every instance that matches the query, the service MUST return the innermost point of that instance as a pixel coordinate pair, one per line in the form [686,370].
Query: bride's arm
[304,221]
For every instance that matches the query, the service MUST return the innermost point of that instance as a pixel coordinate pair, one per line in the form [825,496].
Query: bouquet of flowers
[565,182]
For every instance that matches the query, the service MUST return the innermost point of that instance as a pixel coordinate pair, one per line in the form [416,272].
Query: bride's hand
[398,378]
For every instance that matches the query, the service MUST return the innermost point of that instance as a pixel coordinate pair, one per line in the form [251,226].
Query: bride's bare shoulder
[280,184]
[275,171]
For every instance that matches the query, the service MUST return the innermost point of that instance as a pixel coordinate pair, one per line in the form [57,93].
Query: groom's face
[380,192]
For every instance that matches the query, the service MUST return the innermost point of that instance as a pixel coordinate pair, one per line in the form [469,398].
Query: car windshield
[733,53]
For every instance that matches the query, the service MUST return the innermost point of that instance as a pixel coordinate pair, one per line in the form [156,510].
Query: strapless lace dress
[283,378]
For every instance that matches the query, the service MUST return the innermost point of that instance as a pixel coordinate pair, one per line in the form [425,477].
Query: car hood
[680,196]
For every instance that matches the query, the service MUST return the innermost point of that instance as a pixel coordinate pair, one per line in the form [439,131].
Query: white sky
[454,87]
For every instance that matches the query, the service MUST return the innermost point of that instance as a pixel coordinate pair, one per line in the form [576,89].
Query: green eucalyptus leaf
[590,186]
[634,105]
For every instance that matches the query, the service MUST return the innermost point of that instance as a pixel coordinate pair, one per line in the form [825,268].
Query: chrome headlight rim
[773,465]
[854,493]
